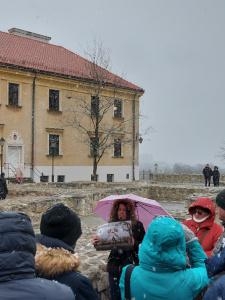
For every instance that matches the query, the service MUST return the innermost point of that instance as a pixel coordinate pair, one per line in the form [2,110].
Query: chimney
[29,34]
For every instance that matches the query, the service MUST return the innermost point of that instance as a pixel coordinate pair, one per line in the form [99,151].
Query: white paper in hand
[114,235]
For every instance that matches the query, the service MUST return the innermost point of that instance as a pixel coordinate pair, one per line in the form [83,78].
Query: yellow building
[42,88]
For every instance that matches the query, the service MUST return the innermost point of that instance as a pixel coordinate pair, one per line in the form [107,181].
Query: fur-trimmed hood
[50,262]
[56,260]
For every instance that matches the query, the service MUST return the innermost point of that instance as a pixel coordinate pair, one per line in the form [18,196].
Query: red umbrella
[146,209]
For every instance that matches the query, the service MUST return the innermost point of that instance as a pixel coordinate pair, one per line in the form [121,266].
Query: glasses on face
[199,212]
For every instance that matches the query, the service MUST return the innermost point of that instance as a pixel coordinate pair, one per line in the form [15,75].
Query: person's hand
[95,239]
[189,235]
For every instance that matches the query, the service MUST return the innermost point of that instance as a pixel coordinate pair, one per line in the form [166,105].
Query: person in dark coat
[60,229]
[17,271]
[207,172]
[216,290]
[3,187]
[216,264]
[216,176]
[122,210]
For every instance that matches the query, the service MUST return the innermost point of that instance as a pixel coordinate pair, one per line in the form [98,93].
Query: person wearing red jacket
[202,223]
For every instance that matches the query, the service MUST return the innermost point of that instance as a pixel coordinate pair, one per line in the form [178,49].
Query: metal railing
[10,170]
[146,175]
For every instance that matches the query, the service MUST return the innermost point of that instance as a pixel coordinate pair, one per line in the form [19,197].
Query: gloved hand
[189,235]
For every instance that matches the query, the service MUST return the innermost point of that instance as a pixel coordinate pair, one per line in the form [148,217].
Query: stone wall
[180,178]
[82,197]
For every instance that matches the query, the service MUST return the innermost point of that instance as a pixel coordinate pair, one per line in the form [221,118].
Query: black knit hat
[220,199]
[60,222]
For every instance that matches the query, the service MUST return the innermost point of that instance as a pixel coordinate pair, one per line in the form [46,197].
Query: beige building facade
[38,101]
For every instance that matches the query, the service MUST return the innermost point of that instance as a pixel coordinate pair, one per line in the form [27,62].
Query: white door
[14,159]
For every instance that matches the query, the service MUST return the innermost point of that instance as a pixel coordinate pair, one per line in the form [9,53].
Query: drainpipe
[33,125]
[133,137]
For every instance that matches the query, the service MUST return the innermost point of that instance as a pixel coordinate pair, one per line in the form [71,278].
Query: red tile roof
[24,52]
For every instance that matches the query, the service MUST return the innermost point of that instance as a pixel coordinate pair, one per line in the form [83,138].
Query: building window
[117,148]
[110,177]
[94,146]
[13,94]
[44,178]
[61,178]
[53,144]
[54,100]
[94,105]
[117,108]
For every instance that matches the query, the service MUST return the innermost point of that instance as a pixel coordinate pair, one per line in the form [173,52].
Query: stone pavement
[93,263]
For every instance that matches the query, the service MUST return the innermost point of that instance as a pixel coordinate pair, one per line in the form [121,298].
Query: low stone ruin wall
[83,198]
[180,178]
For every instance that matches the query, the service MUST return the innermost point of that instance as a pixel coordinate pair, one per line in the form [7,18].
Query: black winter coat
[17,271]
[3,188]
[56,260]
[207,172]
[119,258]
[216,176]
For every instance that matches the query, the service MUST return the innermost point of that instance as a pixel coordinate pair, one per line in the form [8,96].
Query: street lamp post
[2,142]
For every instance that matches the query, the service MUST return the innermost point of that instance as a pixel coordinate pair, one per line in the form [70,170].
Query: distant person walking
[3,187]
[207,172]
[216,176]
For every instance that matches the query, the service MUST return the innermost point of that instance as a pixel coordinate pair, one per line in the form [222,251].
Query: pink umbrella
[146,209]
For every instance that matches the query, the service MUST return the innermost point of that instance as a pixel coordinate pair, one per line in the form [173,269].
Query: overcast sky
[173,49]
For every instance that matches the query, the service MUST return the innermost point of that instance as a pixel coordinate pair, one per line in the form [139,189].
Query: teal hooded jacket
[164,272]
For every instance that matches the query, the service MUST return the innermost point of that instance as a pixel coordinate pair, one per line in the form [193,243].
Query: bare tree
[91,118]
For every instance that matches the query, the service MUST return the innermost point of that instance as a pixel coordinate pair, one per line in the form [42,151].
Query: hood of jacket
[17,246]
[205,203]
[163,247]
[51,262]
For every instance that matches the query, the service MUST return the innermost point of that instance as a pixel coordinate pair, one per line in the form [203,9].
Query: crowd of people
[177,260]
[171,260]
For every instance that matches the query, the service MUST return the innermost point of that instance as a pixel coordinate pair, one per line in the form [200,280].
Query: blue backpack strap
[128,272]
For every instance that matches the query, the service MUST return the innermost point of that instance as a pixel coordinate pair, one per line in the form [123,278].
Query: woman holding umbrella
[122,210]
